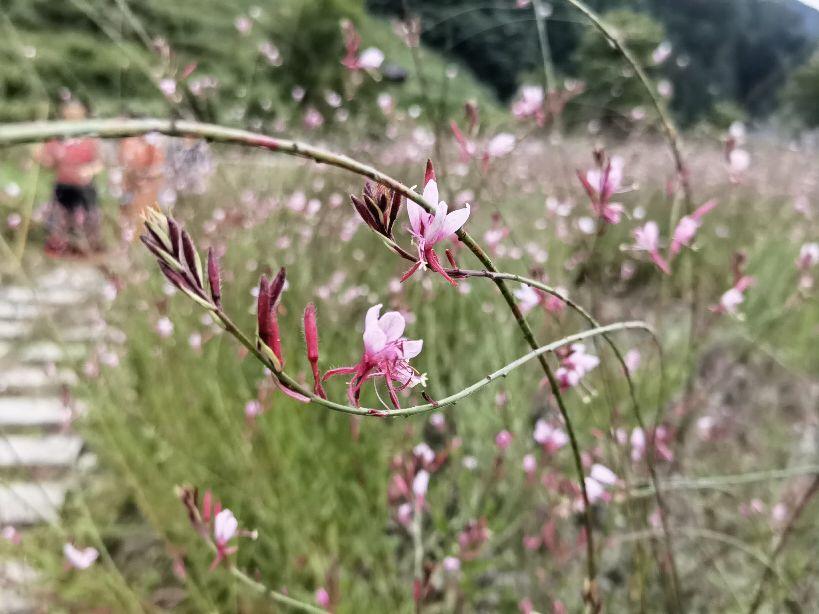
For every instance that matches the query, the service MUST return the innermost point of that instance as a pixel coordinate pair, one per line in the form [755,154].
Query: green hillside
[113,54]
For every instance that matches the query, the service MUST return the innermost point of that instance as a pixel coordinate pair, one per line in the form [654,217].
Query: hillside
[113,55]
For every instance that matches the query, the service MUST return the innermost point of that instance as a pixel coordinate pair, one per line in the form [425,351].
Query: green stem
[274,595]
[292,384]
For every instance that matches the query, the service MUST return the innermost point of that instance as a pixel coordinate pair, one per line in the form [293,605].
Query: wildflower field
[438,356]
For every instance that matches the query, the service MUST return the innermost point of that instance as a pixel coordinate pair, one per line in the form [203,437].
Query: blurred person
[142,162]
[74,219]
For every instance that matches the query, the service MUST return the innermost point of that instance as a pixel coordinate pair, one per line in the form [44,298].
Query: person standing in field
[142,160]
[74,221]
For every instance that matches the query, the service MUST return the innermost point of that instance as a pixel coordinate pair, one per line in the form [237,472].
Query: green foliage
[613,91]
[801,96]
[107,53]
[737,51]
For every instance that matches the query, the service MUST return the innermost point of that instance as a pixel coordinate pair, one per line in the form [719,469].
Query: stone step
[55,297]
[30,379]
[46,413]
[80,277]
[13,330]
[45,352]
[45,451]
[17,579]
[29,503]
[19,311]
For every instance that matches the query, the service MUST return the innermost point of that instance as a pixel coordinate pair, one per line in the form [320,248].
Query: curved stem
[37,131]
[275,596]
[292,384]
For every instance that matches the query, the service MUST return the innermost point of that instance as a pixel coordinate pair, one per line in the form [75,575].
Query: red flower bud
[311,338]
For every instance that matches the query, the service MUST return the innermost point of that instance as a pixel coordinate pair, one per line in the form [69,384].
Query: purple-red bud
[429,175]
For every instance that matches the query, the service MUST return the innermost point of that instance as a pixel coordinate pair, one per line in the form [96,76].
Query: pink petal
[433,232]
[392,324]
[416,214]
[704,208]
[431,192]
[374,339]
[412,347]
[371,319]
[455,220]
[660,262]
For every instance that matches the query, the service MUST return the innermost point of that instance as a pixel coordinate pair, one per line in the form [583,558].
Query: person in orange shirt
[75,217]
[142,160]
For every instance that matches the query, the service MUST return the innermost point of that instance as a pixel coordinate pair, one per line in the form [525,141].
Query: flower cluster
[429,229]
[574,365]
[647,237]
[386,354]
[215,524]
[601,184]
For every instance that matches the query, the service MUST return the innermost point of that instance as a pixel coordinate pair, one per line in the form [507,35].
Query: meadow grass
[171,414]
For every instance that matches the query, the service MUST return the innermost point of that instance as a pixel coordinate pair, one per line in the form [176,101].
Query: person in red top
[75,218]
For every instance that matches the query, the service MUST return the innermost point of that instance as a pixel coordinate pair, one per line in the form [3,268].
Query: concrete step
[45,352]
[29,503]
[46,413]
[49,451]
[14,330]
[78,277]
[17,583]
[20,311]
[34,380]
[55,297]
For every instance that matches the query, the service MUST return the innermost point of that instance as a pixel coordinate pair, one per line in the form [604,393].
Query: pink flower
[11,535]
[601,184]
[80,558]
[164,327]
[530,104]
[429,229]
[575,365]
[808,256]
[529,464]
[242,24]
[225,528]
[253,408]
[451,565]
[386,354]
[420,484]
[550,437]
[371,59]
[500,145]
[168,87]
[632,360]
[503,440]
[647,239]
[687,227]
[661,53]
[313,118]
[322,598]
[603,474]
[600,479]
[638,444]
[730,301]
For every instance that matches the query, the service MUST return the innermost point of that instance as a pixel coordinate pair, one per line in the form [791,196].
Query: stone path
[45,327]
